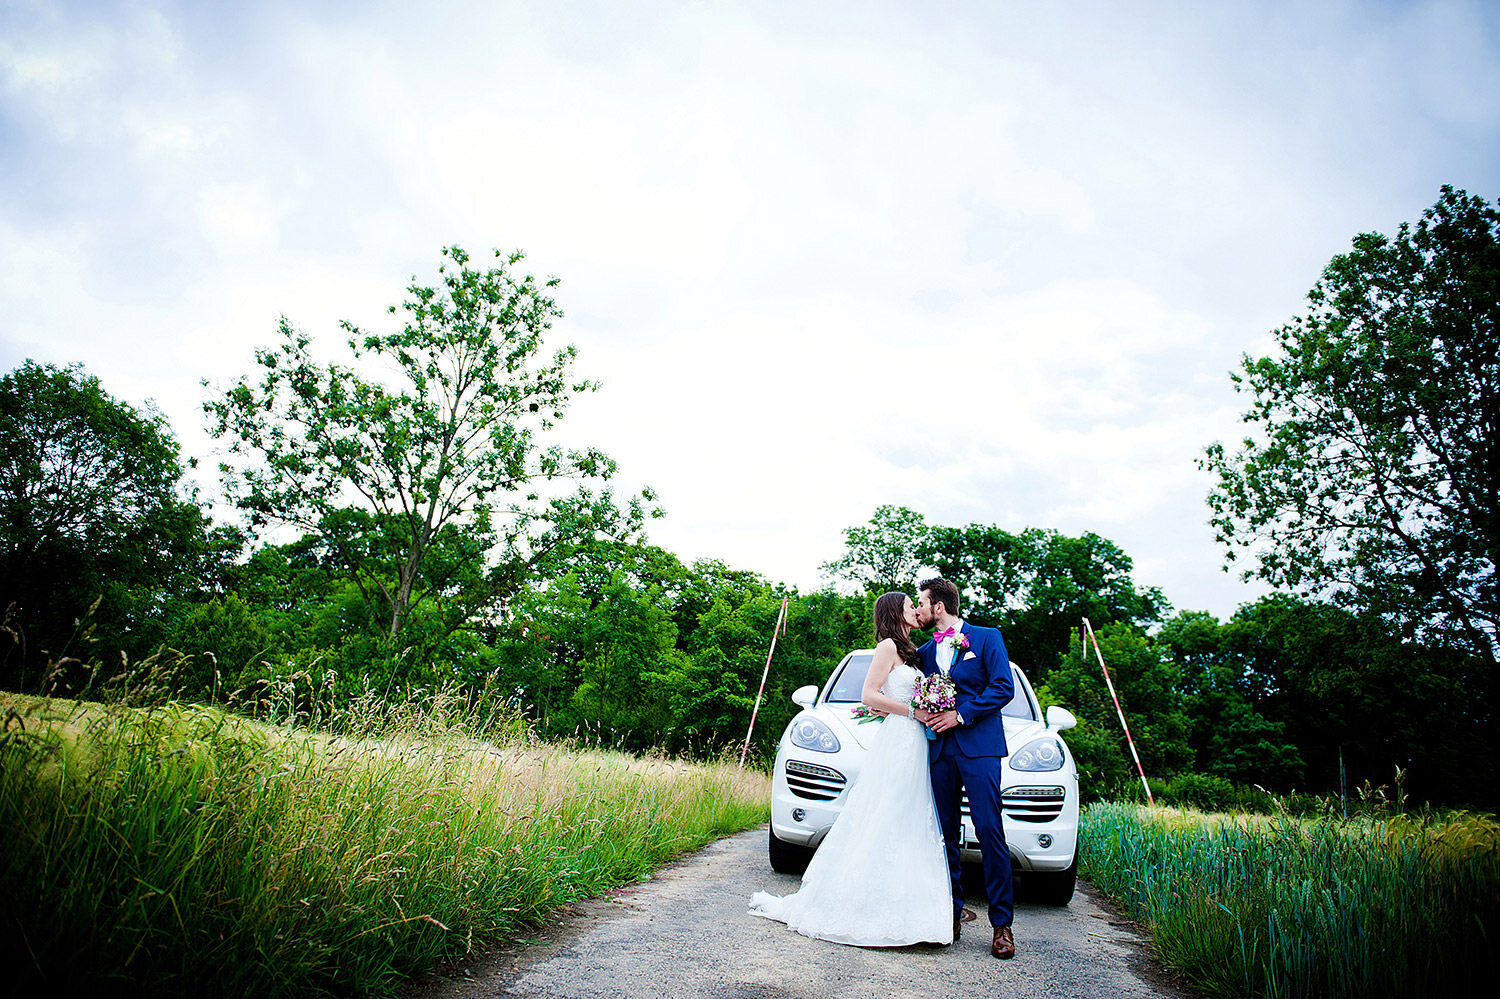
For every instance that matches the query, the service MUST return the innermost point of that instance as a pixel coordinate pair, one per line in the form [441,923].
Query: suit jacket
[983,683]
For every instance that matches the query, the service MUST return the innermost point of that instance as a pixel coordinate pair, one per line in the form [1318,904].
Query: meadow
[185,850]
[1291,906]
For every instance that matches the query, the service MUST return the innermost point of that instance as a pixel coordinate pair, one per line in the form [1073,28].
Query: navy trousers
[952,773]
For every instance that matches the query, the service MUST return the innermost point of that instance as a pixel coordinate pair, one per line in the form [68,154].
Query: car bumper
[1040,818]
[807,795]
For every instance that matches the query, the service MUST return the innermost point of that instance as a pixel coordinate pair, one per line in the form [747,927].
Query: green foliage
[1148,685]
[1206,791]
[226,638]
[1296,907]
[1345,684]
[1037,586]
[1373,465]
[1231,738]
[446,461]
[885,554]
[1034,586]
[94,530]
[636,649]
[183,851]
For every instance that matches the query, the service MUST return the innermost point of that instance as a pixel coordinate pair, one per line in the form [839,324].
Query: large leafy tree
[1037,585]
[1229,735]
[450,439]
[1149,686]
[885,554]
[1373,472]
[92,514]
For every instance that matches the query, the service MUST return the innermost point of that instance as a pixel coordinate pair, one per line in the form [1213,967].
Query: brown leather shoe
[966,916]
[1005,944]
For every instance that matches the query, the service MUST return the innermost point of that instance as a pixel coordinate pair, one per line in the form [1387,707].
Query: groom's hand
[944,721]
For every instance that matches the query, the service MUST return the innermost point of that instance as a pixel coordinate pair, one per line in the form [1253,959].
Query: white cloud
[785,232]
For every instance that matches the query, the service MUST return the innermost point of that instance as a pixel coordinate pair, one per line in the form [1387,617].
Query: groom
[969,746]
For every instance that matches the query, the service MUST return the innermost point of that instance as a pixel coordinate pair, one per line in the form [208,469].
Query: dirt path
[686,934]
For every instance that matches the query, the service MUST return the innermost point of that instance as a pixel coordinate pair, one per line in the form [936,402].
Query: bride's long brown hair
[890,622]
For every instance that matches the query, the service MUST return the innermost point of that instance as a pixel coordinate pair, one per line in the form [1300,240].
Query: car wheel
[788,858]
[1054,887]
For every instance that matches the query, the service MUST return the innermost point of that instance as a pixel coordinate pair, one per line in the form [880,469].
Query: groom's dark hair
[941,591]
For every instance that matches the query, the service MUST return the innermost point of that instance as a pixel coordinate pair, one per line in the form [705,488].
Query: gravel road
[686,934]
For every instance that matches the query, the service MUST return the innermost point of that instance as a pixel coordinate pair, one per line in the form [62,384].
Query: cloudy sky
[989,260]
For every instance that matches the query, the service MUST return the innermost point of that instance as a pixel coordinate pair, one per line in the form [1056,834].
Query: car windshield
[849,683]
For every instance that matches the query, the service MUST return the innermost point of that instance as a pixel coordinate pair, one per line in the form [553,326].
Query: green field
[1281,906]
[206,854]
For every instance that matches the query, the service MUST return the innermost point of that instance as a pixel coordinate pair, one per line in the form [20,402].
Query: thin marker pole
[1134,755]
[780,627]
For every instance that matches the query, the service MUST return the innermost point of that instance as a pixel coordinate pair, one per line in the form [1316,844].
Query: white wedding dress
[880,876]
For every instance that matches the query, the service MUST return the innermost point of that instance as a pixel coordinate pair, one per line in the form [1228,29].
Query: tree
[380,471]
[1149,688]
[1374,472]
[223,638]
[1345,686]
[1036,586]
[1231,738]
[91,511]
[883,555]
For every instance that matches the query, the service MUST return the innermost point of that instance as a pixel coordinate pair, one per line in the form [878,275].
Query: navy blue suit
[968,757]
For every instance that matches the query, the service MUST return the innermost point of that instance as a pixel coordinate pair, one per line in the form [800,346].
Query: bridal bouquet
[936,693]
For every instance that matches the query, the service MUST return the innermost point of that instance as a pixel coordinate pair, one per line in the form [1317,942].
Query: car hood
[840,718]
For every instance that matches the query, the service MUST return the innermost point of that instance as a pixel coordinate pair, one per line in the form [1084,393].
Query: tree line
[422,528]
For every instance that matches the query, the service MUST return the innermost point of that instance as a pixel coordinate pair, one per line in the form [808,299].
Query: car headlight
[1037,755]
[809,733]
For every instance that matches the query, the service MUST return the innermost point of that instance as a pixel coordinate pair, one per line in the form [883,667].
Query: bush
[1212,794]
[224,637]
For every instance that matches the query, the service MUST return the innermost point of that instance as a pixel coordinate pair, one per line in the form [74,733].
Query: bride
[880,877]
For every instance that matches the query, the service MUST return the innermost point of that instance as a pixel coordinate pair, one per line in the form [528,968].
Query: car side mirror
[806,696]
[1059,718]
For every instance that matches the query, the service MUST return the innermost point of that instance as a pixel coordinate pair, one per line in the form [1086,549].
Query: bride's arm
[880,667]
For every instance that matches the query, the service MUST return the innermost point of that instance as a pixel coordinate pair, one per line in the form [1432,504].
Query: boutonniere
[960,643]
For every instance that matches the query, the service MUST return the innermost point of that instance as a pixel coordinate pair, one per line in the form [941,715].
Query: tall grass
[182,850]
[1282,907]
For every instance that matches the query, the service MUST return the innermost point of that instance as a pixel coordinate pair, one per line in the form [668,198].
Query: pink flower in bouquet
[864,713]
[936,693]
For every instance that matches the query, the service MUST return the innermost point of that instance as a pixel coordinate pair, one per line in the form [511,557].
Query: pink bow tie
[938,636]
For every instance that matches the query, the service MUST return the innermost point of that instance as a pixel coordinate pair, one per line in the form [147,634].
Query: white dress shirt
[947,651]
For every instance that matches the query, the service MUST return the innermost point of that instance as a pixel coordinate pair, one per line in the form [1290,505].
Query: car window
[849,683]
[1022,704]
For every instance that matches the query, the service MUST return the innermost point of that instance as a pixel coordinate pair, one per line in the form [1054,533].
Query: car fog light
[798,814]
[1044,840]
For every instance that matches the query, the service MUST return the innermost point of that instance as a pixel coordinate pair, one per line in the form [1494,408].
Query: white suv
[823,747]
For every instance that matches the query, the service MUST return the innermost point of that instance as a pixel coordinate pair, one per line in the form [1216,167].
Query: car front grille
[818,783]
[1026,804]
[1033,804]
